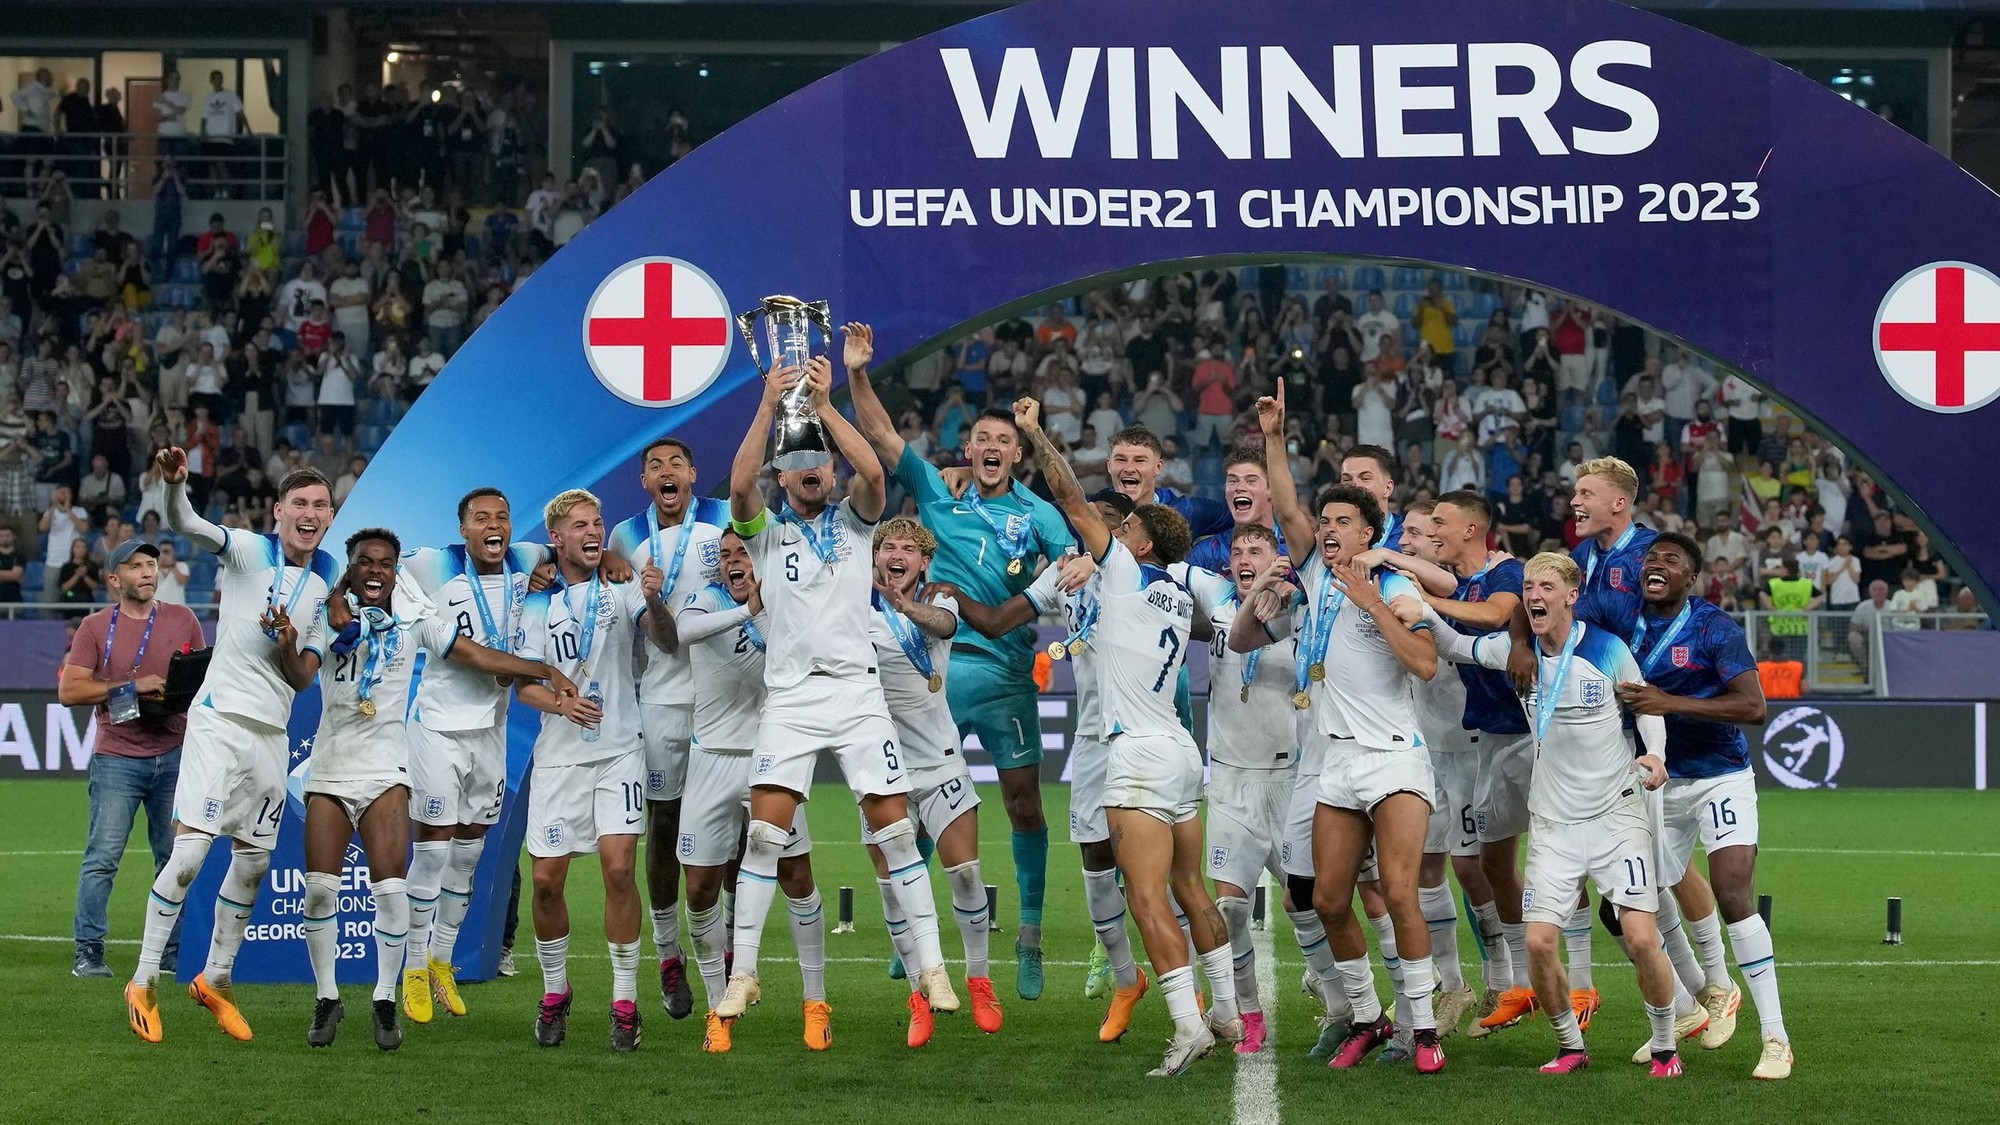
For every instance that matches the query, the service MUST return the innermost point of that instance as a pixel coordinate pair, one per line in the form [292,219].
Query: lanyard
[1549,695]
[906,636]
[812,530]
[680,546]
[750,629]
[1666,639]
[1256,654]
[385,639]
[499,640]
[1013,544]
[1321,625]
[278,583]
[587,628]
[144,639]
[1590,567]
[1086,619]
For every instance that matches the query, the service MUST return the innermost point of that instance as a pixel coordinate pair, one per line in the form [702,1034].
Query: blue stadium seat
[79,244]
[1335,274]
[472,247]
[353,219]
[1410,336]
[186,270]
[350,243]
[1454,282]
[371,439]
[1407,278]
[71,265]
[295,434]
[1405,305]
[1368,277]
[295,242]
[1468,332]
[1246,279]
[1484,305]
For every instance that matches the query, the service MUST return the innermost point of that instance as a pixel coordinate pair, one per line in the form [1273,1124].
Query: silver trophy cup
[788,325]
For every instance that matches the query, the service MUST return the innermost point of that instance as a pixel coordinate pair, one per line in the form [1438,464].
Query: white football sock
[392,928]
[1752,941]
[1419,981]
[1707,936]
[706,930]
[898,844]
[1318,954]
[1187,932]
[1177,986]
[1517,953]
[454,896]
[624,970]
[233,902]
[1569,1036]
[1674,939]
[427,863]
[1441,918]
[554,958]
[164,902]
[1577,932]
[899,930]
[1357,979]
[968,905]
[756,887]
[809,936]
[1392,964]
[1662,1020]
[667,931]
[1107,917]
[1235,911]
[1495,965]
[1219,966]
[322,903]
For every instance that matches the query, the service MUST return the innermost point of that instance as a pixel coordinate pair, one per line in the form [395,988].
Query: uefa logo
[1803,748]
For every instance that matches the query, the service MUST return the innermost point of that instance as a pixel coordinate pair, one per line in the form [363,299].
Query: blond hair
[1558,564]
[559,508]
[1614,470]
[903,527]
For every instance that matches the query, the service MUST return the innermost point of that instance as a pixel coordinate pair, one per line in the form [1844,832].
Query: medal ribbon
[1326,607]
[812,530]
[587,629]
[384,636]
[1667,638]
[1086,613]
[1549,695]
[906,636]
[278,583]
[1590,567]
[1014,546]
[501,640]
[144,639]
[680,545]
[1256,654]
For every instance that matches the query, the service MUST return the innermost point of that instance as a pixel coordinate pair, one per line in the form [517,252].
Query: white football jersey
[552,624]
[1366,690]
[1255,733]
[1047,596]
[243,677]
[351,746]
[452,697]
[1583,766]
[818,609]
[689,554]
[926,735]
[1144,617]
[1441,712]
[725,648]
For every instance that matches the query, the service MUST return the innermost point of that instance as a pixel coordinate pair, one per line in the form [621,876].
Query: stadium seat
[1368,277]
[353,219]
[71,265]
[1335,274]
[350,243]
[295,242]
[472,247]
[1468,331]
[1405,305]
[1407,278]
[1298,279]
[1410,336]
[186,270]
[1454,282]
[1483,305]
[79,244]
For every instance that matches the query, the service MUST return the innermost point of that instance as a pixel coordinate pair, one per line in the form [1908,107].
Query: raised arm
[1434,579]
[746,503]
[1251,630]
[1063,486]
[659,619]
[696,624]
[1398,623]
[870,417]
[933,619]
[479,658]
[181,516]
[1292,519]
[868,491]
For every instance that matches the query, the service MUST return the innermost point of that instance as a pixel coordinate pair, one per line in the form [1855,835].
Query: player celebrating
[358,778]
[458,743]
[586,791]
[912,639]
[233,758]
[678,534]
[1153,782]
[1246,489]
[1589,814]
[1134,468]
[1252,755]
[1376,780]
[1703,680]
[722,628]
[820,680]
[989,543]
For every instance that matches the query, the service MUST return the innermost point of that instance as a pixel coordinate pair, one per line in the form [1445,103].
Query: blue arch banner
[1592,148]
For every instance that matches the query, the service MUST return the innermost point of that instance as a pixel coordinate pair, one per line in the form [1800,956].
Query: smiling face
[1667,574]
[1135,471]
[302,516]
[739,574]
[808,490]
[668,477]
[1343,534]
[487,528]
[1598,505]
[1250,556]
[1247,490]
[899,563]
[1548,598]
[579,537]
[373,571]
[993,450]
[1420,536]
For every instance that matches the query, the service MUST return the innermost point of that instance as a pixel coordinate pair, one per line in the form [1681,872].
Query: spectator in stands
[1929,565]
[1964,606]
[222,121]
[316,333]
[45,249]
[1885,551]
[171,107]
[168,192]
[63,523]
[445,305]
[13,566]
[78,580]
[1867,617]
[1214,389]
[573,212]
[34,109]
[425,363]
[216,252]
[1746,413]
[173,580]
[345,484]
[1375,402]
[56,458]
[1773,552]
[1781,676]
[101,492]
[1727,551]
[1910,600]
[297,297]
[339,372]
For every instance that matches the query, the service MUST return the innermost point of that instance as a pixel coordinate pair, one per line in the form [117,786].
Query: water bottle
[594,692]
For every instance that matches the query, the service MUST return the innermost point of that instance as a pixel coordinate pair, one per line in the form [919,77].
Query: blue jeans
[118,786]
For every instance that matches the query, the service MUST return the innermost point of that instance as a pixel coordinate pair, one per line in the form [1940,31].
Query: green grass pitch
[1881,1032]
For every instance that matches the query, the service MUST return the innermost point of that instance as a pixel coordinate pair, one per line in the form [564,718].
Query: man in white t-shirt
[445,302]
[425,363]
[1652,407]
[1683,383]
[1746,416]
[296,298]
[172,106]
[541,208]
[222,121]
[1374,324]
[348,298]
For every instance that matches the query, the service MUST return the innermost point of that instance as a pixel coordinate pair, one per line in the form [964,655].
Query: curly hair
[903,527]
[1168,530]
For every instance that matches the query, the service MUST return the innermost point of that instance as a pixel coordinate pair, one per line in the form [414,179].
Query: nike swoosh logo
[1720,836]
[909,882]
[961,510]
[1633,891]
[630,823]
[164,913]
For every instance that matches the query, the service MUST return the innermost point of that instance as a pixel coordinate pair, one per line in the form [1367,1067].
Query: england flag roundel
[1937,337]
[656,331]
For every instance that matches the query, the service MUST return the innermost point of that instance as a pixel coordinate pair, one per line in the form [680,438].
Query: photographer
[120,657]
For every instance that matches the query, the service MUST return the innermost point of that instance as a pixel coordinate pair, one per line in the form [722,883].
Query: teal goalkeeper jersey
[969,553]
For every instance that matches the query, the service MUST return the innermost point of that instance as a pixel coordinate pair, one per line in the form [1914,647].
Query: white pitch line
[1256,1101]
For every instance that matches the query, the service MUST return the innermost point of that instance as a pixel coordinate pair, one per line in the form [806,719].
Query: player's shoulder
[711,511]
[1642,540]
[1396,584]
[627,534]
[1603,648]
[326,566]
[1714,625]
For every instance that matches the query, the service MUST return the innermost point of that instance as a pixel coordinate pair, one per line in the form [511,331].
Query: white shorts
[1295,846]
[1506,765]
[1159,775]
[354,797]
[1246,814]
[846,717]
[938,797]
[667,728]
[1358,778]
[1089,760]
[232,780]
[1615,852]
[1721,812]
[716,809]
[1454,826]
[457,776]
[570,808]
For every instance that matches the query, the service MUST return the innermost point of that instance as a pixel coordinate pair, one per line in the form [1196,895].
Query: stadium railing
[121,165]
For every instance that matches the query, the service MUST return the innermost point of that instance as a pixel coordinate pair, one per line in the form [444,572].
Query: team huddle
[1389,702]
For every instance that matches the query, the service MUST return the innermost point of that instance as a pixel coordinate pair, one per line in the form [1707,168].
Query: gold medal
[1077,646]
[1316,673]
[1302,700]
[1013,566]
[937,682]
[1058,650]
[367,708]
[1244,695]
